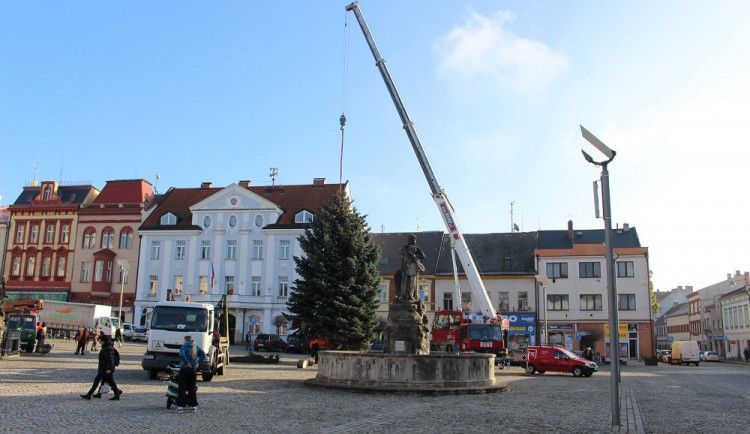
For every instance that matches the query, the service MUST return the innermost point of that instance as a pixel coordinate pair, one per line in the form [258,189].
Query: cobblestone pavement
[40,393]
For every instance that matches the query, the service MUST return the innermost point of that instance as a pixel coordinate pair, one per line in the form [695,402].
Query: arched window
[89,238]
[108,238]
[126,238]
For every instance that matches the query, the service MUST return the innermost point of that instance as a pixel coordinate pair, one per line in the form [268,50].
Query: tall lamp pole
[124,267]
[614,330]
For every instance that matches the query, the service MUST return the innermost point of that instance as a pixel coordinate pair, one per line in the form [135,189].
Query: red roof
[124,191]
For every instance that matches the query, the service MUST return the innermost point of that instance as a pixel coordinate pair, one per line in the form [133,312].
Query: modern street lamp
[124,267]
[614,330]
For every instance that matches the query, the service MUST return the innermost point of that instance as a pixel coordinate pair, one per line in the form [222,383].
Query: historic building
[42,240]
[199,244]
[106,257]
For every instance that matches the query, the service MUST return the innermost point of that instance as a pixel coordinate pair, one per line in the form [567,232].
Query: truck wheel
[530,369]
[577,371]
[152,374]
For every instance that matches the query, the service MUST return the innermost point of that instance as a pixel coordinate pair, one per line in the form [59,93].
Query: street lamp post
[124,267]
[614,330]
[543,283]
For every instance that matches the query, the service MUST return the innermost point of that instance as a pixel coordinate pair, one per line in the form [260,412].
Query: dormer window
[303,217]
[168,219]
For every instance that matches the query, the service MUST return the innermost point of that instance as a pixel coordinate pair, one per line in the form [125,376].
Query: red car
[542,359]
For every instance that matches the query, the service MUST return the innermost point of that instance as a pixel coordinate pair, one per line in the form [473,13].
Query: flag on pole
[213,276]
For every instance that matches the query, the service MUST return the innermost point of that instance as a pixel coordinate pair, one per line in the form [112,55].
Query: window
[303,217]
[122,275]
[424,293]
[203,285]
[284,249]
[34,238]
[229,285]
[180,250]
[177,284]
[20,233]
[626,301]
[89,238]
[557,302]
[589,270]
[109,272]
[232,220]
[126,239]
[153,284]
[155,249]
[49,236]
[383,293]
[523,300]
[65,234]
[625,269]
[61,262]
[46,266]
[30,265]
[168,219]
[283,286]
[231,249]
[504,305]
[16,265]
[557,270]
[256,289]
[591,302]
[108,238]
[258,249]
[466,301]
[85,272]
[205,249]
[98,271]
[447,301]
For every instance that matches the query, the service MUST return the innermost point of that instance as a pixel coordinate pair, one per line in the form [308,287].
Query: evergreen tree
[336,296]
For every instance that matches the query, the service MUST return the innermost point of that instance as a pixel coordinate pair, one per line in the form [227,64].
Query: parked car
[269,342]
[377,347]
[140,334]
[542,359]
[295,344]
[127,331]
[710,356]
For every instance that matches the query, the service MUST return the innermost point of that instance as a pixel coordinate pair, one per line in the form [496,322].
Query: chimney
[626,226]
[245,184]
[729,276]
[736,273]
[319,182]
[570,230]
[205,185]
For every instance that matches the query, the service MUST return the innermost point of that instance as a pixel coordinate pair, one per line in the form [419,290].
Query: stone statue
[411,265]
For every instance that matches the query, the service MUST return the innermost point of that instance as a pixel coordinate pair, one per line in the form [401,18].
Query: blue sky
[92,91]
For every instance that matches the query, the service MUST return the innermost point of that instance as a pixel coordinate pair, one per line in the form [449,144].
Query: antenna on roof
[419,224]
[62,165]
[34,182]
[274,173]
[513,226]
[156,184]
[382,228]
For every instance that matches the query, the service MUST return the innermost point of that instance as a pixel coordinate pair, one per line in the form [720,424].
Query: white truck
[685,353]
[67,316]
[170,322]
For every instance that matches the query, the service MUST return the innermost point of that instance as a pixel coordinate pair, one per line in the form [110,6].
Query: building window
[283,286]
[591,302]
[46,266]
[34,238]
[205,249]
[108,238]
[65,234]
[256,289]
[557,270]
[447,301]
[178,284]
[258,249]
[232,221]
[229,285]
[180,250]
[587,270]
[61,266]
[557,302]
[466,301]
[231,249]
[89,238]
[504,304]
[153,284]
[98,271]
[168,219]
[303,217]
[284,249]
[383,293]
[16,270]
[424,293]
[20,233]
[85,272]
[626,301]
[109,271]
[523,301]
[254,321]
[30,266]
[625,269]
[203,285]
[49,236]
[155,249]
[126,239]
[122,276]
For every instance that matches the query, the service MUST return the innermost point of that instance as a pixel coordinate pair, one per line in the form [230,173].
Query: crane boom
[458,242]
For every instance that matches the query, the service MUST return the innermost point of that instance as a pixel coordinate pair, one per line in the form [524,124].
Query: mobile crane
[450,320]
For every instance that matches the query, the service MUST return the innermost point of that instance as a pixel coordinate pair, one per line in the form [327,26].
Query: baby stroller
[173,387]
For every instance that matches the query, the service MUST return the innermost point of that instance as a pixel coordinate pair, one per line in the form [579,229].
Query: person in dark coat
[106,368]
[82,337]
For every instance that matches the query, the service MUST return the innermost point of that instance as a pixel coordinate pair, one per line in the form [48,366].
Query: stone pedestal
[408,329]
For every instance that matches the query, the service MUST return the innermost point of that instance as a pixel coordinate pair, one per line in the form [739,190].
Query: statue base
[408,328]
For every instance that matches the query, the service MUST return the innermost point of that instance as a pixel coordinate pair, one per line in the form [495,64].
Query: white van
[127,331]
[685,352]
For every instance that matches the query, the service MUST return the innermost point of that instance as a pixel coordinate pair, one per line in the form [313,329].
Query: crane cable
[342,119]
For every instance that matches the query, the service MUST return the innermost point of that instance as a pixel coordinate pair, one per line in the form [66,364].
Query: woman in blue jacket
[190,356]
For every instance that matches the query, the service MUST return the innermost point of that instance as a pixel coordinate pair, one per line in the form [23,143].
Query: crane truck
[451,330]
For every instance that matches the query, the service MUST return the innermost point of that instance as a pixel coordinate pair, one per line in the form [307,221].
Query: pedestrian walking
[41,336]
[118,336]
[747,354]
[106,369]
[97,332]
[82,338]
[190,356]
[248,339]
